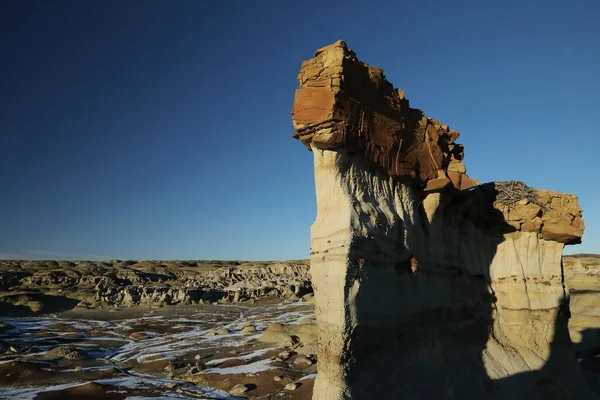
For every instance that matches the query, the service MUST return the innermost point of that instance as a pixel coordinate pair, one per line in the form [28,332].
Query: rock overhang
[345,103]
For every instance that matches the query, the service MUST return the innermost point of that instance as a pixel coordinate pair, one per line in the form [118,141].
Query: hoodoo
[428,285]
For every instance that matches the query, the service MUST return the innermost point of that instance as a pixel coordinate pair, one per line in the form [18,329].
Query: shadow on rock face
[422,296]
[589,357]
[35,304]
[560,374]
[426,317]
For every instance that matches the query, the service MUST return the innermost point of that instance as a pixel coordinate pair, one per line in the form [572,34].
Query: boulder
[239,389]
[218,331]
[67,353]
[290,335]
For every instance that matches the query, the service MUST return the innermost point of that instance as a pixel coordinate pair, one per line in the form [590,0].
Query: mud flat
[206,351]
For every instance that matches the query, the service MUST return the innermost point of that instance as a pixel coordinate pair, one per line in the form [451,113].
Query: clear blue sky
[161,129]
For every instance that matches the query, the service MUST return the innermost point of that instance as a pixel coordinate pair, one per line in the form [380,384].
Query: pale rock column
[427,285]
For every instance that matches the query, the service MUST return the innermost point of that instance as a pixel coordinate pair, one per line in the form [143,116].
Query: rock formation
[40,286]
[427,284]
[582,276]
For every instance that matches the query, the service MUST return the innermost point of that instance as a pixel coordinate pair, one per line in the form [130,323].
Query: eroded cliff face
[425,289]
[582,276]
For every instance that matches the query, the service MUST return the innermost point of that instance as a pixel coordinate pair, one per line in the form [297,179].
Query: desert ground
[62,337]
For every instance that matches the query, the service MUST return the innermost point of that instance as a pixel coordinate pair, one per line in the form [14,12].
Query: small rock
[308,350]
[78,368]
[284,355]
[239,389]
[67,353]
[5,326]
[307,296]
[249,329]
[193,371]
[310,370]
[302,360]
[31,349]
[171,385]
[35,306]
[12,349]
[292,386]
[278,359]
[277,378]
[197,357]
[200,366]
[218,331]
[138,336]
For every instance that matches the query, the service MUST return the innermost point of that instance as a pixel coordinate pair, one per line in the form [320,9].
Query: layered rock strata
[425,289]
[582,275]
[38,285]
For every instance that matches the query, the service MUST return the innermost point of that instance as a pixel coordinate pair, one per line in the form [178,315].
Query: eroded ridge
[427,284]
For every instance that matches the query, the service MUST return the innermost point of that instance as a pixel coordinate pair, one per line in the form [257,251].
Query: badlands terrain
[189,330]
[135,330]
[427,284]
